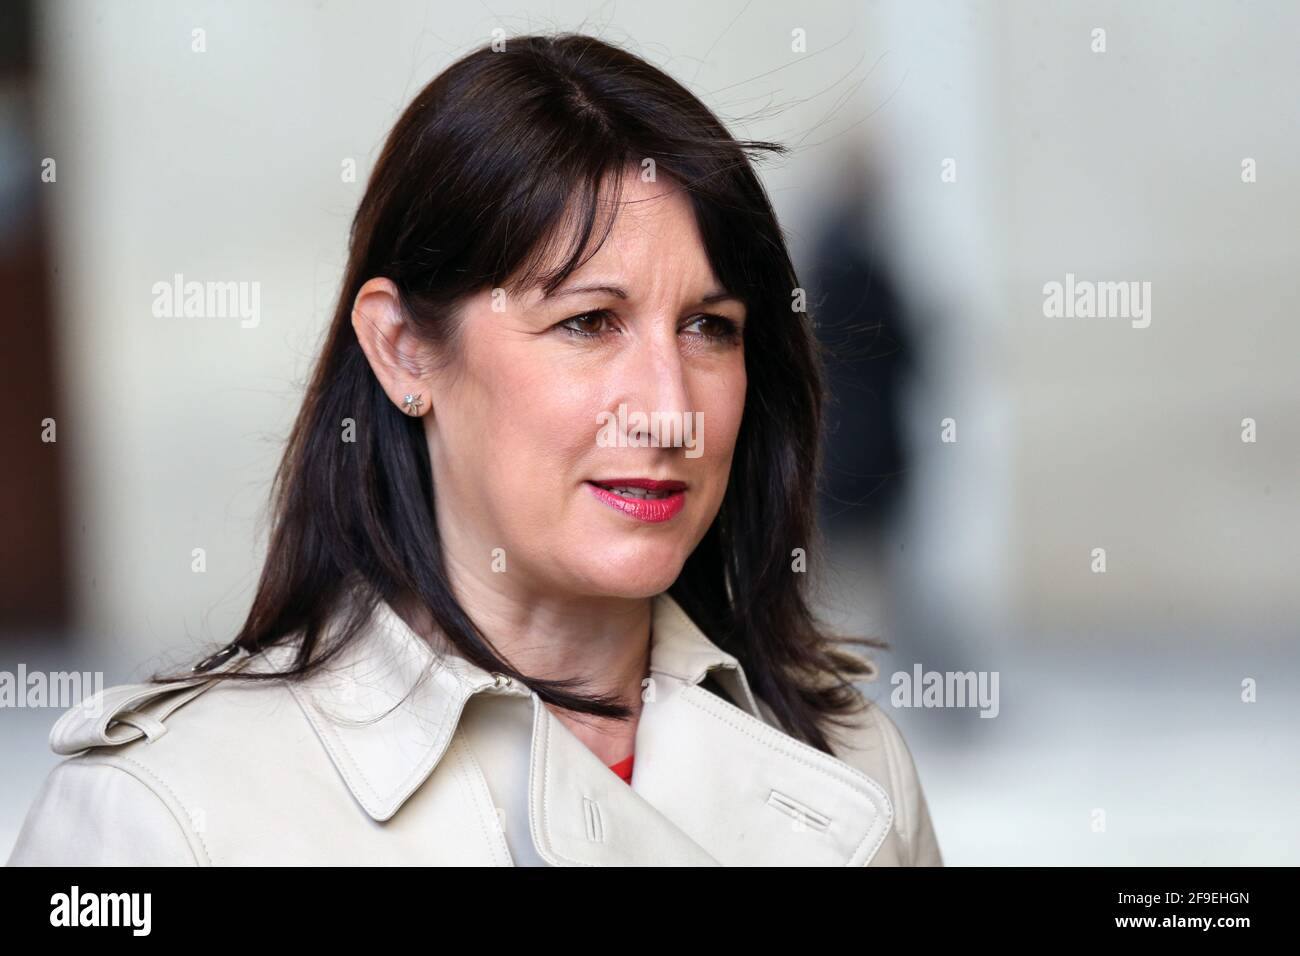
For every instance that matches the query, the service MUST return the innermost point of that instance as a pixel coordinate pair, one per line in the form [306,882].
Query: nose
[657,386]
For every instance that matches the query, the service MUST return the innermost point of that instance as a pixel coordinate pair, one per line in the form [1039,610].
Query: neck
[604,641]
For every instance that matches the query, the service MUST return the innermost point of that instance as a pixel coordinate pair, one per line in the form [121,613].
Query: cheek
[537,423]
[723,406]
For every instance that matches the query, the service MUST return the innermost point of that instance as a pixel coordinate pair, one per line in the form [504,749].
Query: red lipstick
[642,498]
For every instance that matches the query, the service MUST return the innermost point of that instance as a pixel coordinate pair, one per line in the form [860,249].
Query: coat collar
[387,708]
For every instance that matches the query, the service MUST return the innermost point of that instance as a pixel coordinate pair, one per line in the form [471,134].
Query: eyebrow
[619,292]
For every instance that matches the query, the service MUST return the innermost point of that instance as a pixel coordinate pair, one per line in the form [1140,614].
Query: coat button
[501,680]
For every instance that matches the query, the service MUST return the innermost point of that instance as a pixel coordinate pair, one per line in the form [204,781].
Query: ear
[400,359]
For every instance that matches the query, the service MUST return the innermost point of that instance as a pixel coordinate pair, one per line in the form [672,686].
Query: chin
[634,572]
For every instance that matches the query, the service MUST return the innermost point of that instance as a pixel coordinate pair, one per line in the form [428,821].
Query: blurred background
[947,161]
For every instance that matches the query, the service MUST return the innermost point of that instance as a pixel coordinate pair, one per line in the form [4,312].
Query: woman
[529,597]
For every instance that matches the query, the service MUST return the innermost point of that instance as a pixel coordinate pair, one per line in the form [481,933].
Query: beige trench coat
[397,757]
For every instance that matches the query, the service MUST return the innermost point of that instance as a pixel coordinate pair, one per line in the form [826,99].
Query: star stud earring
[412,404]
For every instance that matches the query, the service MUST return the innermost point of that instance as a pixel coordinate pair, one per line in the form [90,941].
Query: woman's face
[589,434]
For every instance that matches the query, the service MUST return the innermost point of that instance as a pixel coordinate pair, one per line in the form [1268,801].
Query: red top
[624,768]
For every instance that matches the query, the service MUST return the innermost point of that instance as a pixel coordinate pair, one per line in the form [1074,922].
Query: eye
[712,326]
[587,325]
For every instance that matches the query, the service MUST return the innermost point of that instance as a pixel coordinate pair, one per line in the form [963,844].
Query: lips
[645,499]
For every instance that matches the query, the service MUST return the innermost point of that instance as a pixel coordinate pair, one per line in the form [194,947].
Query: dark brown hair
[479,175]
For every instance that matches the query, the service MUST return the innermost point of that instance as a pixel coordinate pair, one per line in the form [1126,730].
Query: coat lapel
[713,783]
[751,794]
[582,814]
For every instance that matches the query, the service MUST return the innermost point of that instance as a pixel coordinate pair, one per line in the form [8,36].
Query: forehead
[654,238]
[648,210]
